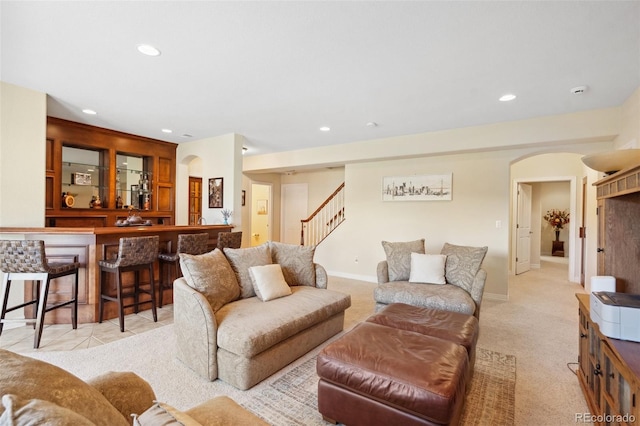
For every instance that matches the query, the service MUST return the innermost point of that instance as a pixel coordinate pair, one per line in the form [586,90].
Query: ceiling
[275,72]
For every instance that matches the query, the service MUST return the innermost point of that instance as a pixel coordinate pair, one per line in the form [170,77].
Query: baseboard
[496,296]
[535,266]
[367,278]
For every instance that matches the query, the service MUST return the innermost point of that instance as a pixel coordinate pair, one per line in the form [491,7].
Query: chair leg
[74,305]
[36,297]
[153,293]
[42,305]
[101,302]
[120,301]
[136,291]
[6,285]
[161,266]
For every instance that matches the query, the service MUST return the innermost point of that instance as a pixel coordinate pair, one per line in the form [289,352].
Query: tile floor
[61,337]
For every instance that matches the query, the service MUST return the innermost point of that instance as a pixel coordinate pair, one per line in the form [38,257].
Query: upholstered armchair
[452,280]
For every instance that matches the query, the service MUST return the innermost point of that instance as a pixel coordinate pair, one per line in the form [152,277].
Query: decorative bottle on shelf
[119,202]
[144,196]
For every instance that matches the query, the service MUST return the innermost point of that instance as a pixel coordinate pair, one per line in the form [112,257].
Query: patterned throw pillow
[244,258]
[463,263]
[399,258]
[296,262]
[38,412]
[211,275]
[163,414]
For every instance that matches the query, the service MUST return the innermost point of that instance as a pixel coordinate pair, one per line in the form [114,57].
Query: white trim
[367,278]
[495,296]
[574,274]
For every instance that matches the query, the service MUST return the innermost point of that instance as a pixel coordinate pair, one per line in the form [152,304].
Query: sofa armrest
[223,411]
[322,280]
[196,330]
[383,272]
[126,391]
[477,290]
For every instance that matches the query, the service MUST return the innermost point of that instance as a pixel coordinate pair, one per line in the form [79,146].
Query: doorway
[261,213]
[546,194]
[294,208]
[195,200]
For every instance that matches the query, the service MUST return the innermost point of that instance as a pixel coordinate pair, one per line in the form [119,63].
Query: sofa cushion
[38,412]
[268,282]
[446,297]
[161,414]
[463,263]
[30,378]
[399,257]
[296,262]
[211,275]
[247,326]
[427,268]
[244,258]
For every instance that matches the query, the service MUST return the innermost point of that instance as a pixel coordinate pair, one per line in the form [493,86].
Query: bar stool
[229,240]
[134,254]
[187,243]
[26,260]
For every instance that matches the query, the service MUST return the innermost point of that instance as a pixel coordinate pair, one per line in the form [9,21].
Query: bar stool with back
[229,240]
[26,260]
[187,243]
[134,254]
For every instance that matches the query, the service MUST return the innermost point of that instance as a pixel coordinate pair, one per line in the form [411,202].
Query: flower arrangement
[226,214]
[557,218]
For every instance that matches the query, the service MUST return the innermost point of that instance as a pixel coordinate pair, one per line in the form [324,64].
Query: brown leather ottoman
[453,326]
[378,375]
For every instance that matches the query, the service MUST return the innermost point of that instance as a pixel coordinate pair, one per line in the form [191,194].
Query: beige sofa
[450,281]
[242,336]
[35,392]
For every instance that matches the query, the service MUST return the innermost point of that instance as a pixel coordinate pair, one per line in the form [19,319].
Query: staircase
[324,220]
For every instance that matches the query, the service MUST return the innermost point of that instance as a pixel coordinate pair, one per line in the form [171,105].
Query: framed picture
[216,186]
[244,197]
[262,207]
[81,178]
[417,188]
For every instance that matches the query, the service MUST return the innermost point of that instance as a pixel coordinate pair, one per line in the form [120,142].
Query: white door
[294,207]
[261,213]
[523,231]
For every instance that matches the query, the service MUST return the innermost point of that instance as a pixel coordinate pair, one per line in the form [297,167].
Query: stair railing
[324,220]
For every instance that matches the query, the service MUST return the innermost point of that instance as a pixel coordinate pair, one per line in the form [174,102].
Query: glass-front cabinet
[133,182]
[83,178]
[95,176]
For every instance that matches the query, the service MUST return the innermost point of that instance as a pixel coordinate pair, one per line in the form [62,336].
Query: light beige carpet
[286,398]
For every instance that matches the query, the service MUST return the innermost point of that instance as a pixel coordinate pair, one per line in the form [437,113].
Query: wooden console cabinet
[98,168]
[618,198]
[608,372]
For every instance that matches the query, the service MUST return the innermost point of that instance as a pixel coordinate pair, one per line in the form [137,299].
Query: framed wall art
[262,207]
[417,188]
[244,197]
[216,187]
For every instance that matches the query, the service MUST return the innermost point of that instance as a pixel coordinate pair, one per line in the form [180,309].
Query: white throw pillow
[268,282]
[427,268]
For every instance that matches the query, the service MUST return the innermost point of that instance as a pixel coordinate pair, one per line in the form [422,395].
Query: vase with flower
[557,219]
[226,214]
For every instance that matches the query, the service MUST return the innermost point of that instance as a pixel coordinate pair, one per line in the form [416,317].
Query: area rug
[288,397]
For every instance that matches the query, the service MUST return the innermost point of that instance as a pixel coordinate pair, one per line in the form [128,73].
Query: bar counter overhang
[92,245]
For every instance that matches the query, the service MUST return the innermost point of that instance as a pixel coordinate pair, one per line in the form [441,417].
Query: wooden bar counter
[92,245]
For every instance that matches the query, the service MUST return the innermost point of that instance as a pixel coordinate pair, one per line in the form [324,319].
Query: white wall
[23,130]
[212,158]
[321,184]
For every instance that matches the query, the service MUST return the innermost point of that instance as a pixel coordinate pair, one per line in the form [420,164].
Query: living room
[480,156]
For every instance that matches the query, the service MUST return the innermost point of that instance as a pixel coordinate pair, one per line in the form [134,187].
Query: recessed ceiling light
[508,97]
[89,111]
[372,124]
[579,90]
[325,129]
[187,135]
[147,49]
[167,131]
